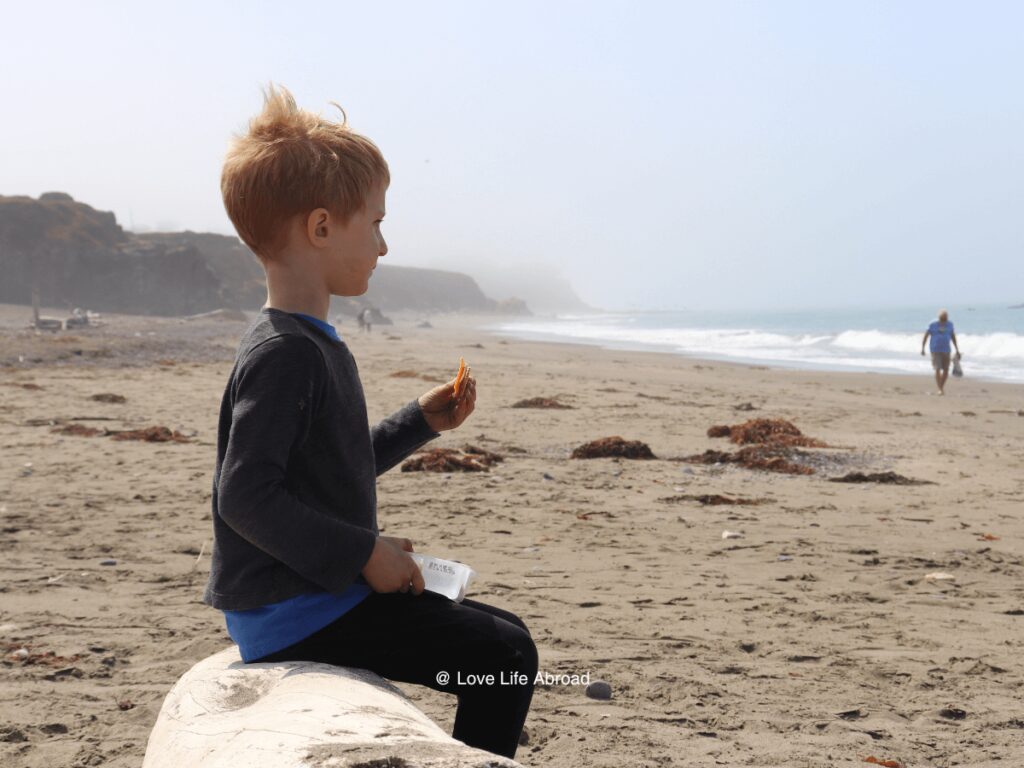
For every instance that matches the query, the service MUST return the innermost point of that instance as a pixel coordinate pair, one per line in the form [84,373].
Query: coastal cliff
[77,256]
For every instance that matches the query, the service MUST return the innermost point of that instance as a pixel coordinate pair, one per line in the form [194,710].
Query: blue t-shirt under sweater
[271,628]
[941,335]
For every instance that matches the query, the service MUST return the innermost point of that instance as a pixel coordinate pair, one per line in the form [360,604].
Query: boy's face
[354,247]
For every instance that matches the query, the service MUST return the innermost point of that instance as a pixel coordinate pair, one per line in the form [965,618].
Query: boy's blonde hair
[292,162]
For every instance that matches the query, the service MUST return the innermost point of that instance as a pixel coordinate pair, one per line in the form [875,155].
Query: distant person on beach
[366,320]
[941,334]
[299,566]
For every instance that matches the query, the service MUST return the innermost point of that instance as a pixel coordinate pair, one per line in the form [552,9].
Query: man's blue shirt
[941,334]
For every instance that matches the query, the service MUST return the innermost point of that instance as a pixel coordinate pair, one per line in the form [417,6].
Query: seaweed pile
[714,500]
[770,445]
[608,447]
[764,432]
[885,478]
[469,459]
[156,434]
[541,402]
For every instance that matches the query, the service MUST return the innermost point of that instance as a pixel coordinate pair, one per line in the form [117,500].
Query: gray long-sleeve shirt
[294,488]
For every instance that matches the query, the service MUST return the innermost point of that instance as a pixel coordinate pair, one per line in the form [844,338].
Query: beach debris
[24,653]
[156,434]
[745,407]
[987,537]
[109,397]
[600,690]
[541,402]
[78,430]
[613,446]
[60,674]
[125,704]
[766,432]
[852,714]
[769,444]
[224,313]
[524,737]
[12,735]
[79,319]
[732,535]
[952,713]
[940,576]
[407,374]
[713,499]
[108,562]
[24,385]
[884,763]
[768,458]
[489,457]
[886,478]
[469,459]
[588,515]
[784,558]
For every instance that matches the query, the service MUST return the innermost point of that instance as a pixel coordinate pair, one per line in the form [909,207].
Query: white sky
[657,154]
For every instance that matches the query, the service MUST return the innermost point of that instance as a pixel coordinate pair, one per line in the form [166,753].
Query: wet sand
[814,640]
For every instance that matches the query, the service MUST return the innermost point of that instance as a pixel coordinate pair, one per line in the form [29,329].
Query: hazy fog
[669,154]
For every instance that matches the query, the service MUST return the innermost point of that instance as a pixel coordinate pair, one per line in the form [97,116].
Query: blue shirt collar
[318,323]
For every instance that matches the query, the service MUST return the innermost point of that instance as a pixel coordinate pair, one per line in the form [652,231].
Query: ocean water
[882,340]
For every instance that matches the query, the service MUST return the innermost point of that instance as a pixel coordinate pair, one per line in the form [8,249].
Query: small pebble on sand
[599,690]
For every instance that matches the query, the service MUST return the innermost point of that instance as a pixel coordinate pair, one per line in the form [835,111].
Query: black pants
[417,638]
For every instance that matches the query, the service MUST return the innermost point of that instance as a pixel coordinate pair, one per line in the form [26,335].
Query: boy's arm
[423,419]
[276,394]
[398,435]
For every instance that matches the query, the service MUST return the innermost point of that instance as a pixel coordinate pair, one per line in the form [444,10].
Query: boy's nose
[383,247]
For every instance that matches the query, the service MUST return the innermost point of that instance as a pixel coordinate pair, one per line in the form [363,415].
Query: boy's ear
[318,227]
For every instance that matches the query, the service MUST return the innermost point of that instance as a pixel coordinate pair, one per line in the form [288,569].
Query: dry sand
[814,640]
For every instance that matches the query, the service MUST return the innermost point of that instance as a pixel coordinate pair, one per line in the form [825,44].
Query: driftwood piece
[295,714]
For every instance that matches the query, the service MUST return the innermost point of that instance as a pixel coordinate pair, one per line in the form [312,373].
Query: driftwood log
[225,713]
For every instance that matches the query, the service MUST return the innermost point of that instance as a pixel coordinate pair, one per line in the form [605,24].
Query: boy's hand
[403,544]
[390,569]
[442,410]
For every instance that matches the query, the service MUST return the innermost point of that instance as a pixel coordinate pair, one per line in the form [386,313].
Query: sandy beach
[815,638]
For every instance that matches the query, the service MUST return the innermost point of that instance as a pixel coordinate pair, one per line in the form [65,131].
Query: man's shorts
[940,361]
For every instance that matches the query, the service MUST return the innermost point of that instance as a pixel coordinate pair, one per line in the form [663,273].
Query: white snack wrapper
[446,577]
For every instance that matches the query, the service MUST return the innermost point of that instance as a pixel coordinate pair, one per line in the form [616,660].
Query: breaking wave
[998,355]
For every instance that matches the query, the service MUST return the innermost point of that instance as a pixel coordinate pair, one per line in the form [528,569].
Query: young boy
[299,568]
